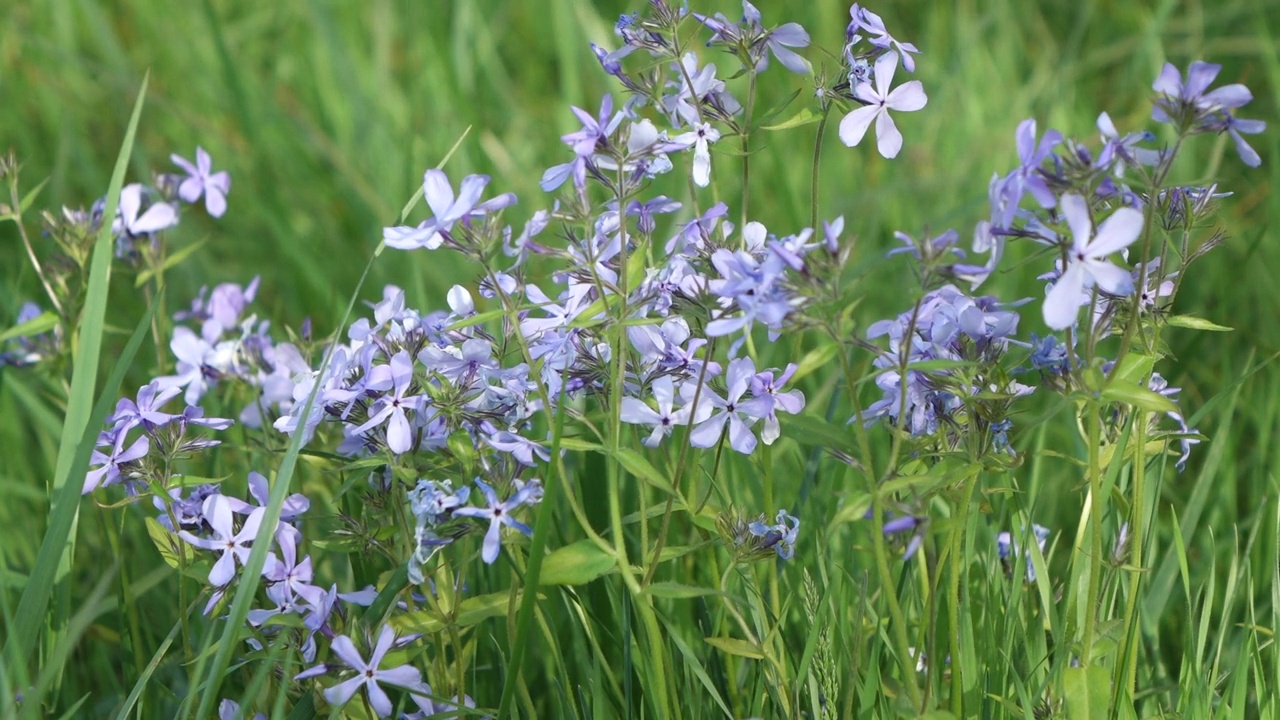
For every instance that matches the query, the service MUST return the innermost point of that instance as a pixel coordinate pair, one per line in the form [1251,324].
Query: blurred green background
[326,113]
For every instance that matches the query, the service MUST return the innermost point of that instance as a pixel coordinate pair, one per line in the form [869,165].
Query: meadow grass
[326,113]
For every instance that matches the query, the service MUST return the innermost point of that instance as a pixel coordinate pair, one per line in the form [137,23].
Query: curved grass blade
[53,562]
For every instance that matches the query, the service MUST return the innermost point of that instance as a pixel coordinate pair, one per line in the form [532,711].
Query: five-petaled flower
[201,180]
[1087,263]
[447,209]
[369,674]
[907,97]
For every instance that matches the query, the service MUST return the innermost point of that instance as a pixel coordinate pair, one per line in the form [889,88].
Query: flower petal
[1076,210]
[340,694]
[888,139]
[1062,305]
[854,125]
[1116,232]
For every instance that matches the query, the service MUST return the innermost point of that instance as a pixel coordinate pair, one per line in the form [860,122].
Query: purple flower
[732,410]
[233,545]
[700,138]
[368,674]
[767,387]
[259,489]
[664,419]
[109,471]
[195,364]
[146,411]
[287,571]
[1087,262]
[498,512]
[1007,546]
[1176,94]
[880,100]
[1235,126]
[751,33]
[1026,178]
[200,181]
[230,710]
[863,19]
[447,210]
[521,448]
[397,379]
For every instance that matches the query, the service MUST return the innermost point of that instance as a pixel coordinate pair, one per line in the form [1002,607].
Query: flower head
[1087,262]
[201,180]
[907,97]
[448,210]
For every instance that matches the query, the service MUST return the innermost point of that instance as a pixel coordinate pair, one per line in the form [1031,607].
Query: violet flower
[201,181]
[1087,262]
[907,97]
[498,513]
[447,210]
[369,674]
[233,545]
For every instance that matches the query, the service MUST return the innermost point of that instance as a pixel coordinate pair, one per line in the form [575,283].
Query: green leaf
[1195,323]
[576,564]
[169,262]
[637,465]
[1087,690]
[44,323]
[816,358]
[580,445]
[806,116]
[471,611]
[1135,368]
[734,646]
[171,551]
[1138,396]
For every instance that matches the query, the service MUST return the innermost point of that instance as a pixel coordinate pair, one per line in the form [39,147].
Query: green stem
[746,143]
[1095,520]
[899,633]
[958,564]
[817,160]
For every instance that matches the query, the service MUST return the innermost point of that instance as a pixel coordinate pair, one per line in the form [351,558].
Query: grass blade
[53,563]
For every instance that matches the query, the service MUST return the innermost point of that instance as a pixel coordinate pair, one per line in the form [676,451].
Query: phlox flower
[781,536]
[907,97]
[447,210]
[664,419]
[731,410]
[1007,546]
[131,220]
[146,410]
[230,710]
[498,513]
[201,180]
[369,674]
[1087,262]
[395,380]
[700,139]
[768,387]
[234,546]
[1026,178]
[861,19]
[108,472]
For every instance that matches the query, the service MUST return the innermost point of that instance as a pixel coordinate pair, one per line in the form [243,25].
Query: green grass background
[326,113]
